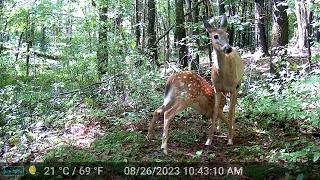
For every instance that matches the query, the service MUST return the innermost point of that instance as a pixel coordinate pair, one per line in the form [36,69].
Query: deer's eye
[216,37]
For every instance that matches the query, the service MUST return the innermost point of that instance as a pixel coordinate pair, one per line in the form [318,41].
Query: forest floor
[119,139]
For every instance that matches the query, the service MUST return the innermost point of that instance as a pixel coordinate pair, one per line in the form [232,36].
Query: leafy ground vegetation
[55,118]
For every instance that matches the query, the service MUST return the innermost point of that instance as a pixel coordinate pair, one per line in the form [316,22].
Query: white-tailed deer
[182,90]
[227,72]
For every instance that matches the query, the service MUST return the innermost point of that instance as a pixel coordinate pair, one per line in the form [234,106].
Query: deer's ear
[208,26]
[223,22]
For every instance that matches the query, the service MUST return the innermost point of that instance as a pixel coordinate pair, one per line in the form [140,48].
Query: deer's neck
[222,75]
[219,60]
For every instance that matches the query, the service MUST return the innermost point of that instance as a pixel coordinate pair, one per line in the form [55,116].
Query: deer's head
[219,36]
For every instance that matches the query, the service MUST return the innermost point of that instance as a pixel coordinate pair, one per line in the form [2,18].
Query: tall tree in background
[317,28]
[2,33]
[192,20]
[43,38]
[180,34]
[208,13]
[195,33]
[260,33]
[301,10]
[69,27]
[304,17]
[1,6]
[119,31]
[280,31]
[232,12]
[103,40]
[152,49]
[167,55]
[29,38]
[209,8]
[189,29]
[143,40]
[137,21]
[221,7]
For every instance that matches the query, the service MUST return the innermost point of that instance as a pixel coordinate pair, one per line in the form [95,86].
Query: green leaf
[300,177]
[287,144]
[316,156]
[158,160]
[212,155]
[198,153]
[295,143]
[316,58]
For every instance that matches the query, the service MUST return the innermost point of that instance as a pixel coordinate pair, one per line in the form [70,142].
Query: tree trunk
[310,17]
[43,38]
[152,49]
[208,42]
[137,23]
[251,29]
[102,53]
[181,34]
[221,7]
[118,26]
[302,20]
[243,20]
[3,37]
[189,17]
[317,28]
[29,39]
[19,46]
[190,46]
[2,30]
[69,28]
[209,8]
[232,12]
[280,35]
[196,32]
[260,33]
[143,41]
[167,55]
[280,31]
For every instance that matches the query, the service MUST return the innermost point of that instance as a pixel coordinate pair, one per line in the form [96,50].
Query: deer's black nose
[227,49]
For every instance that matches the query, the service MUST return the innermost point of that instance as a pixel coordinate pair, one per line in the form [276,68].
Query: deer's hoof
[147,138]
[229,143]
[165,152]
[208,143]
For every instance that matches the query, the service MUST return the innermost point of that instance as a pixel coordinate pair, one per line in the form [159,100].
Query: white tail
[185,89]
[227,72]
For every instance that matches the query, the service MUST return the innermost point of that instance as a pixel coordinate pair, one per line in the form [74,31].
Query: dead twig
[74,91]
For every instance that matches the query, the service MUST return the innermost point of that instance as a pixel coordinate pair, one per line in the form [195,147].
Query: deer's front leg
[233,103]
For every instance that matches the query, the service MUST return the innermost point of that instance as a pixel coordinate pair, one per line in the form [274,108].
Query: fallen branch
[46,55]
[36,52]
[74,91]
